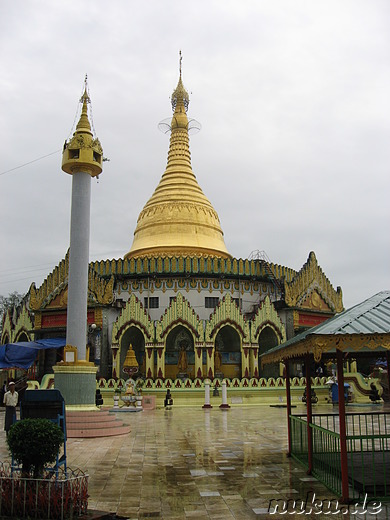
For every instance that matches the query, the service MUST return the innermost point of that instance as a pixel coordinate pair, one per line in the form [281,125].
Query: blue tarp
[23,354]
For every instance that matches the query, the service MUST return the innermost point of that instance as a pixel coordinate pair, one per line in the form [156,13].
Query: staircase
[93,424]
[262,257]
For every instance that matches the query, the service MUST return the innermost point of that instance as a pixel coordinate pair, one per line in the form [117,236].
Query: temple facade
[185,306]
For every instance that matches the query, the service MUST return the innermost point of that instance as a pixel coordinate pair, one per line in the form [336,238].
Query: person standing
[10,401]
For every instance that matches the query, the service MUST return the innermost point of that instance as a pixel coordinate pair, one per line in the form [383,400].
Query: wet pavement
[194,463]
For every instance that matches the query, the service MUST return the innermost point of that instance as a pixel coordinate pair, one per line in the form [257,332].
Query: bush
[34,443]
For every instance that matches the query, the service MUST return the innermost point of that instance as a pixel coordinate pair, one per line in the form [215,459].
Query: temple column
[149,360]
[160,361]
[245,360]
[254,362]
[210,361]
[198,369]
[115,361]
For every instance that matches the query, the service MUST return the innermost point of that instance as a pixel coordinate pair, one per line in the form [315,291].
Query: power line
[30,162]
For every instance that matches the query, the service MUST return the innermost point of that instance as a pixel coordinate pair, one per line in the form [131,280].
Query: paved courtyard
[191,463]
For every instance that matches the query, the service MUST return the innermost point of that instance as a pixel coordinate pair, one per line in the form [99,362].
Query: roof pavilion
[359,446]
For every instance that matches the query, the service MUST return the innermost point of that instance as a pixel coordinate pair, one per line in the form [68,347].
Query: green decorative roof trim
[192,265]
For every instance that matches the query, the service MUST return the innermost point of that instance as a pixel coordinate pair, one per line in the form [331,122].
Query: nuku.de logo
[313,505]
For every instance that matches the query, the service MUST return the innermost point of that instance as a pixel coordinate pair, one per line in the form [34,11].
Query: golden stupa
[178,219]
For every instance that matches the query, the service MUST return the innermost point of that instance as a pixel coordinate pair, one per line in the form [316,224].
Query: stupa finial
[180,98]
[83,152]
[85,97]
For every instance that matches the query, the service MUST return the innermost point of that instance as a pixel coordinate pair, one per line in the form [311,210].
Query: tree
[7,302]
[34,443]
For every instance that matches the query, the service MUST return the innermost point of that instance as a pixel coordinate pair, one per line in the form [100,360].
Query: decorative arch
[266,316]
[133,315]
[6,335]
[180,312]
[227,313]
[23,325]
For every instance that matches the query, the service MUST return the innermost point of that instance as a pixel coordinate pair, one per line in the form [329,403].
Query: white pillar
[207,395]
[224,404]
[76,325]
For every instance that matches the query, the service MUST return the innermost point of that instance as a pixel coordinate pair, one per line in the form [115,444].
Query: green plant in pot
[34,443]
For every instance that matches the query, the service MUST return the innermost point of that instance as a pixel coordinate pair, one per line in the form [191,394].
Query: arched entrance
[227,353]
[267,340]
[134,337]
[22,337]
[179,353]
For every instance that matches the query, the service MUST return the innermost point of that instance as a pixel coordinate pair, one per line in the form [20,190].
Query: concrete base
[77,384]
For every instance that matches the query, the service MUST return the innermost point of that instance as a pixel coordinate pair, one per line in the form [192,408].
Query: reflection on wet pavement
[194,463]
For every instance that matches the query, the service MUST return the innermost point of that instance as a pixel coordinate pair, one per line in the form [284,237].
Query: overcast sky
[293,98]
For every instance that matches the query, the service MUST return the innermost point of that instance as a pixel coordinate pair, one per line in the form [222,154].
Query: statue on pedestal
[182,363]
[217,364]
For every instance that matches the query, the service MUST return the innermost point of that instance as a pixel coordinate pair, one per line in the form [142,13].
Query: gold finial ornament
[178,219]
[180,95]
[83,152]
[131,360]
[130,366]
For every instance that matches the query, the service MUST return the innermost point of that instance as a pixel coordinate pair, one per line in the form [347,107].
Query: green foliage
[7,302]
[34,443]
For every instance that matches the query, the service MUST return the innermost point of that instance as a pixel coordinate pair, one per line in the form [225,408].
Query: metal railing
[326,457]
[53,498]
[368,451]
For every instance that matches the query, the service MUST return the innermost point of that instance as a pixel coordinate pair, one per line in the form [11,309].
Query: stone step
[97,432]
[95,419]
[98,425]
[93,424]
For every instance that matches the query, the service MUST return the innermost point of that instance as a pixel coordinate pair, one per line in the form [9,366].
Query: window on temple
[152,302]
[210,302]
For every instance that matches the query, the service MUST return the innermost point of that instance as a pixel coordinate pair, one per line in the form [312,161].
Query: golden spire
[178,219]
[83,125]
[82,152]
[131,360]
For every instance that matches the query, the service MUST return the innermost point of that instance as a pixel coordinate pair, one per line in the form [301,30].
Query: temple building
[187,308]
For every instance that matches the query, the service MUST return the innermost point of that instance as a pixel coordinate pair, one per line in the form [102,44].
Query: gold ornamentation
[83,152]
[310,278]
[266,315]
[37,320]
[101,290]
[38,298]
[135,315]
[176,209]
[318,345]
[23,324]
[181,311]
[227,311]
[130,360]
[99,317]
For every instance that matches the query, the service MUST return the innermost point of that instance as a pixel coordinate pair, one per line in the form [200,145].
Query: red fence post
[288,399]
[343,431]
[309,415]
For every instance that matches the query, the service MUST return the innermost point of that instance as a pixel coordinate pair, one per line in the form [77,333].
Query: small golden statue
[182,363]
